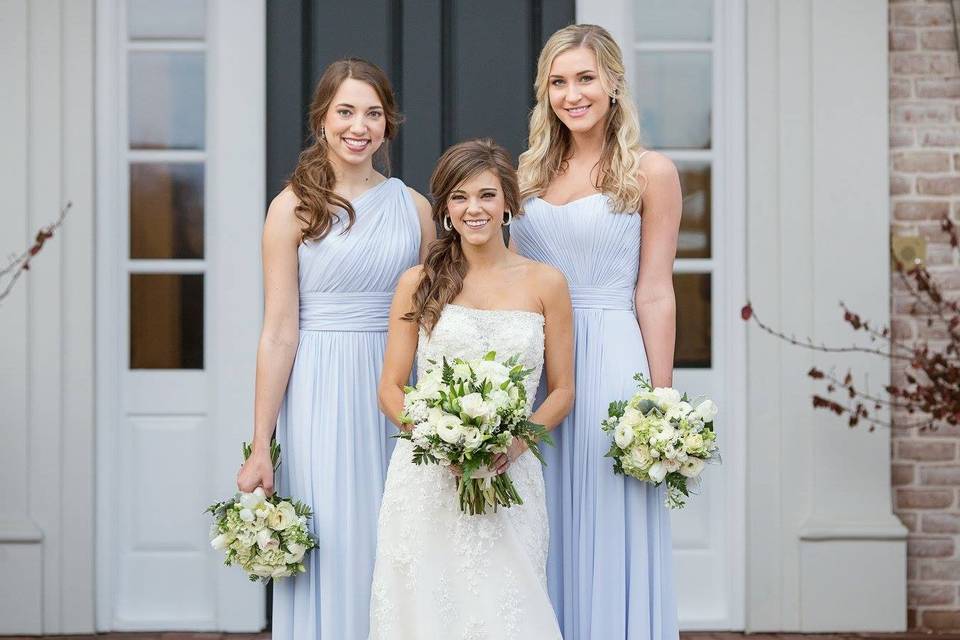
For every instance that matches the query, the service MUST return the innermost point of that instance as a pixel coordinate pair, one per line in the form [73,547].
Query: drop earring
[323,133]
[447,223]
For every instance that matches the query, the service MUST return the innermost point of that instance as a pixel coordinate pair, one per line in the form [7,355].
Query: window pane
[694,241]
[167,100]
[166,321]
[673,20]
[693,320]
[166,210]
[177,19]
[674,95]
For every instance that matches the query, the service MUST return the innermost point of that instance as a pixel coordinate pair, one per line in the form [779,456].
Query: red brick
[940,523]
[925,64]
[921,210]
[940,620]
[924,498]
[922,16]
[921,162]
[903,39]
[901,137]
[939,254]
[899,185]
[940,476]
[938,40]
[926,594]
[941,430]
[914,113]
[940,570]
[940,138]
[910,521]
[929,547]
[943,186]
[902,474]
[926,451]
[938,87]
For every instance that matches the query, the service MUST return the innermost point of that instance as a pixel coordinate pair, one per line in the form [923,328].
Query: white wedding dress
[444,575]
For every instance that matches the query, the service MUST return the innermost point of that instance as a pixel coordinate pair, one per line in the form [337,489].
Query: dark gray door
[460,68]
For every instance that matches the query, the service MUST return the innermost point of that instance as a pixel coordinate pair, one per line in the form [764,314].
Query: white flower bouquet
[464,413]
[659,436]
[266,536]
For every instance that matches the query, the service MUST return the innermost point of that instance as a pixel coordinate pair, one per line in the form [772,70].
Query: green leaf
[491,356]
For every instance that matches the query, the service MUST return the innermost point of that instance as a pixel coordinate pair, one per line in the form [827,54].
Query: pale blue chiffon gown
[335,442]
[609,569]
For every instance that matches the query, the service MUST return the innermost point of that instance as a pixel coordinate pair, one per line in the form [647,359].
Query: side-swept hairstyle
[445,266]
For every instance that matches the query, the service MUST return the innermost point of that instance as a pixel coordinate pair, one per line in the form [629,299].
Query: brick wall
[924,186]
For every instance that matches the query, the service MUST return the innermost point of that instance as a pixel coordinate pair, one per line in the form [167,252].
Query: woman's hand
[502,461]
[257,471]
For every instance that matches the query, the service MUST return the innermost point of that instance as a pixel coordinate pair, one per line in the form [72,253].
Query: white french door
[685,66]
[180,189]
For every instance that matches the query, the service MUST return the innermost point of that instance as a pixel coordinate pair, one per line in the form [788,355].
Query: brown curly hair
[313,179]
[445,266]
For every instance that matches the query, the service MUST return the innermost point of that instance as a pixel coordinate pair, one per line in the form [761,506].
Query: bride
[442,574]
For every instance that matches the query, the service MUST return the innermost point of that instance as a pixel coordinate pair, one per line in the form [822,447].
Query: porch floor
[699,635]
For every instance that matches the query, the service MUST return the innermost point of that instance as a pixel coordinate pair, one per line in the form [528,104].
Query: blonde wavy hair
[549,143]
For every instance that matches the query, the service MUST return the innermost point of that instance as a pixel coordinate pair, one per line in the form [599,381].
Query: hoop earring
[447,223]
[509,219]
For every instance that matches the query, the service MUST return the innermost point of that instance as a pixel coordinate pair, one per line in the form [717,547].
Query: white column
[46,326]
[826,553]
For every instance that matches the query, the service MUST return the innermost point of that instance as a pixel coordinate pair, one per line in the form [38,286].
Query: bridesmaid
[583,178]
[336,240]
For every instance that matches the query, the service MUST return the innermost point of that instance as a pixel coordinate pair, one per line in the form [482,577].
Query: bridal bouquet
[266,536]
[659,436]
[464,413]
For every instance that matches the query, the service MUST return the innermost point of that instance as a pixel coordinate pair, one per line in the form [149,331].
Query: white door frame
[234,199]
[729,269]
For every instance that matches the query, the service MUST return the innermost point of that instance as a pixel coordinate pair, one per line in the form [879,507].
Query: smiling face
[354,124]
[577,96]
[476,208]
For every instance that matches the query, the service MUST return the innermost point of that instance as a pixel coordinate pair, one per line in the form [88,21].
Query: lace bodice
[468,333]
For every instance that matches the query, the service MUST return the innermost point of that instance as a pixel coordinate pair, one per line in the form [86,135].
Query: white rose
[265,540]
[692,467]
[693,442]
[666,434]
[475,406]
[657,472]
[495,372]
[639,457]
[461,372]
[666,397]
[449,428]
[706,410]
[284,516]
[631,417]
[247,516]
[623,435]
[294,552]
[499,398]
[678,411]
[671,465]
[472,437]
[222,541]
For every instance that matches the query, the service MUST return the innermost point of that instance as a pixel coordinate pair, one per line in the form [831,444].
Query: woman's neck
[353,179]
[486,256]
[587,144]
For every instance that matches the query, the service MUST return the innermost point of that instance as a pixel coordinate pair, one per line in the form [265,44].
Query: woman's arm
[402,338]
[428,231]
[557,359]
[655,301]
[278,339]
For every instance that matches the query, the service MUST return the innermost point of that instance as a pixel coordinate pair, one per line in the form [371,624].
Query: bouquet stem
[476,494]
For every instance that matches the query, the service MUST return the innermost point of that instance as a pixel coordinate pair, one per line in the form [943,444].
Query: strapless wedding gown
[444,575]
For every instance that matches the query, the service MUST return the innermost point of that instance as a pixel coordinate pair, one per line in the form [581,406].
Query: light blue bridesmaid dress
[335,443]
[609,569]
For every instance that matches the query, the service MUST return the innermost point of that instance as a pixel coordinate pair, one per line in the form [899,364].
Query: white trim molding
[826,552]
[46,325]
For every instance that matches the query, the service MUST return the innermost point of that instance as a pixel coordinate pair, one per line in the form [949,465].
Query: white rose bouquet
[659,436]
[266,536]
[464,413]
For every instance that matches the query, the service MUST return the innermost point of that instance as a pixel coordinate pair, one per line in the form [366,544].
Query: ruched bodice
[596,249]
[347,279]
